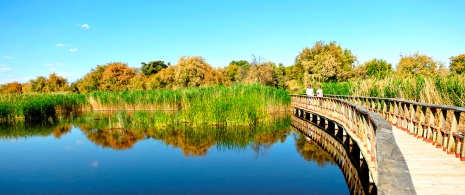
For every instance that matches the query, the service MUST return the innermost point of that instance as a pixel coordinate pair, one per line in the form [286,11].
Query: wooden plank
[432,170]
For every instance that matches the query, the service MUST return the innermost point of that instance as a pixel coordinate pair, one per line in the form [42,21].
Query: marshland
[209,130]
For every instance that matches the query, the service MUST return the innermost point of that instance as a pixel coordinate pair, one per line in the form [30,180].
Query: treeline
[320,64]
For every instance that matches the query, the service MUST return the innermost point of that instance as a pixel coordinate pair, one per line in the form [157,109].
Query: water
[82,159]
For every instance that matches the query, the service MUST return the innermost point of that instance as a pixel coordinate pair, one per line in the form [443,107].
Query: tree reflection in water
[193,141]
[311,151]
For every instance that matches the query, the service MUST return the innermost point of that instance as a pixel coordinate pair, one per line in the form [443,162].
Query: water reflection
[352,167]
[282,159]
[311,151]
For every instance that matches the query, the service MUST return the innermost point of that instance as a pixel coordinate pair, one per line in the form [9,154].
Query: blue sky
[70,37]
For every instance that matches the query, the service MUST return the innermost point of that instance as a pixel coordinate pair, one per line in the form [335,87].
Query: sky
[70,37]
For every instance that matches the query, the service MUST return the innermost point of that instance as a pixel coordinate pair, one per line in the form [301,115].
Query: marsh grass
[235,105]
[39,107]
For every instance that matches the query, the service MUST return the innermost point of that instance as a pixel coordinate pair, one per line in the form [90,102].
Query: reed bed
[434,90]
[39,107]
[235,105]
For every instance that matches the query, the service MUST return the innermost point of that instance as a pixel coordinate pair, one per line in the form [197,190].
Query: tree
[91,81]
[153,67]
[237,71]
[377,68]
[418,64]
[11,88]
[261,73]
[324,62]
[457,64]
[56,83]
[116,77]
[193,72]
[162,80]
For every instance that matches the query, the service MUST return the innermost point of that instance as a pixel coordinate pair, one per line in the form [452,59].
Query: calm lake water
[83,156]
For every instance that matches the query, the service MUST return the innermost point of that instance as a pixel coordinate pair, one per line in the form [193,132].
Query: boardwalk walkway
[432,170]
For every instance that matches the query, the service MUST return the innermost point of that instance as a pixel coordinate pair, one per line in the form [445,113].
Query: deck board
[432,170]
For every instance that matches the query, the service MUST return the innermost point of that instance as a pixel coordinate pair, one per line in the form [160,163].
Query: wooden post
[453,130]
[422,121]
[430,135]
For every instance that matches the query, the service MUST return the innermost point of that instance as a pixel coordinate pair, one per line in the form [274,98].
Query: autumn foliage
[324,62]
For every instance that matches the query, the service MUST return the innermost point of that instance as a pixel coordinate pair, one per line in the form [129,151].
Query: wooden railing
[435,124]
[369,131]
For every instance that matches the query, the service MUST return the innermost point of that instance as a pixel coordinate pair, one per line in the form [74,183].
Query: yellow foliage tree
[162,80]
[116,77]
[325,62]
[418,64]
[56,83]
[457,64]
[11,88]
[193,72]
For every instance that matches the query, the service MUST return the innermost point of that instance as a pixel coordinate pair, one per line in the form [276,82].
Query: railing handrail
[445,107]
[393,175]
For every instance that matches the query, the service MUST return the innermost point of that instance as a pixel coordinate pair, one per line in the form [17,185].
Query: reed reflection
[123,130]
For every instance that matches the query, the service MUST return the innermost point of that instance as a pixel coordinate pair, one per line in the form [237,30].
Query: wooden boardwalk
[432,170]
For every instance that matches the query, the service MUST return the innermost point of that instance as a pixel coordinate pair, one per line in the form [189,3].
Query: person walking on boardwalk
[319,91]
[309,92]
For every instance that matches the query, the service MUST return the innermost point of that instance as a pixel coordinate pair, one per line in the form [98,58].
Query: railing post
[453,130]
[432,133]
[405,117]
[399,116]
[422,121]
[394,117]
[442,127]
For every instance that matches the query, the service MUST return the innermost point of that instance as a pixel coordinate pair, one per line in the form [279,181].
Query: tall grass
[434,90]
[237,105]
[39,107]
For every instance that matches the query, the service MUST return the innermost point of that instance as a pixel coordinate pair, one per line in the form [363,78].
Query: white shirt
[319,93]
[309,92]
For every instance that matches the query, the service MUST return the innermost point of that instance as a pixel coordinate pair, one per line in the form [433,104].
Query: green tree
[153,67]
[418,64]
[237,71]
[457,64]
[325,62]
[377,68]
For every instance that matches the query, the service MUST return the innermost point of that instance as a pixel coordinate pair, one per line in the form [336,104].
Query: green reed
[237,105]
[38,107]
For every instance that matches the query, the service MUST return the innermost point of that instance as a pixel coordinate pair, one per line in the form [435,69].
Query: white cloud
[5,69]
[94,164]
[73,49]
[3,65]
[60,45]
[79,142]
[8,57]
[85,26]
